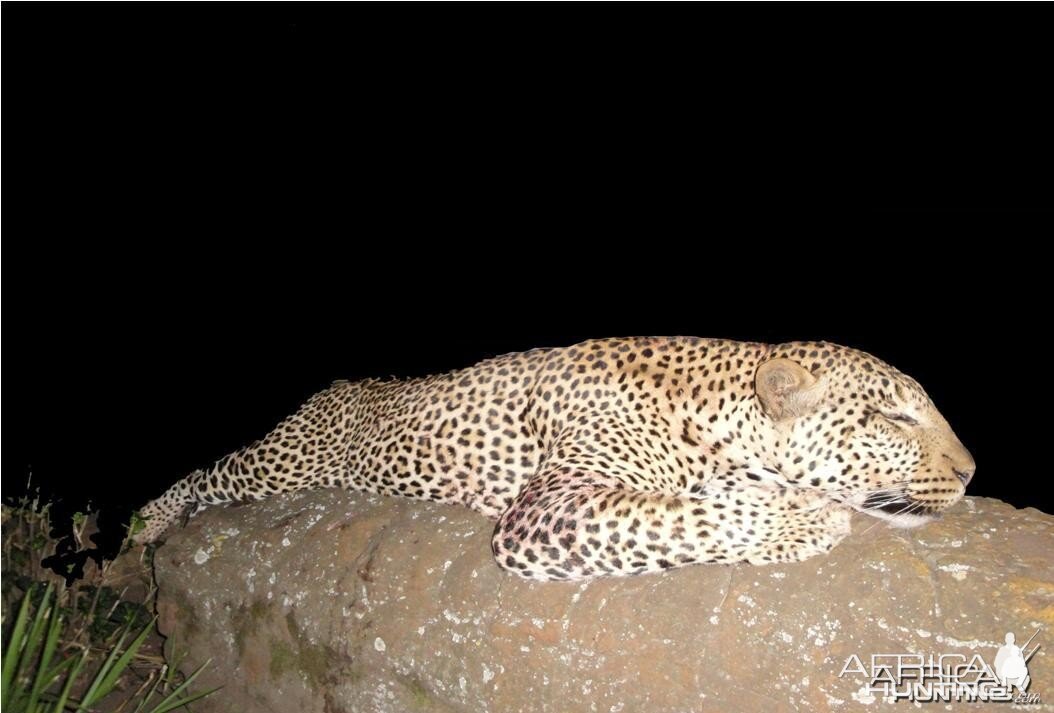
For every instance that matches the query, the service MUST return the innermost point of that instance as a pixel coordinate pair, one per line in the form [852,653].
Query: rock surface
[334,601]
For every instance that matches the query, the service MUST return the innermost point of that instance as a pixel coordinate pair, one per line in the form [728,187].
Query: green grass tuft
[74,648]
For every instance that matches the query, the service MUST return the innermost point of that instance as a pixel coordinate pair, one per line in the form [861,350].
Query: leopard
[621,456]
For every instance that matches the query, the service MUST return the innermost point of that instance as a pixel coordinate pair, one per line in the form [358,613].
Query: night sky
[197,238]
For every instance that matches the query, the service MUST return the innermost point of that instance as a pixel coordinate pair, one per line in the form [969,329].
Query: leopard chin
[897,514]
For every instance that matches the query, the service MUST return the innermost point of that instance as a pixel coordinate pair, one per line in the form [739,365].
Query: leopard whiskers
[908,509]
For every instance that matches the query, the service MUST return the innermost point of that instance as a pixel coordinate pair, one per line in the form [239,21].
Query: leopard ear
[788,390]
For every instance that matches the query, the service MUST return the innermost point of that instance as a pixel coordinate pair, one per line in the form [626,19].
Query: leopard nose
[963,466]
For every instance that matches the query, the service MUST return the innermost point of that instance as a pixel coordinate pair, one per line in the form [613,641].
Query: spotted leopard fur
[622,456]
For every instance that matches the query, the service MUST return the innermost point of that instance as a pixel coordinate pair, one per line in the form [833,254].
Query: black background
[207,220]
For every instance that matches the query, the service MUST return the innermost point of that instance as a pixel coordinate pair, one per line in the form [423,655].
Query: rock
[336,601]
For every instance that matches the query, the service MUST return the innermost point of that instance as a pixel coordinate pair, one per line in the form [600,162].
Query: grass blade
[167,705]
[74,674]
[149,695]
[170,702]
[107,684]
[34,643]
[13,655]
[43,681]
[94,693]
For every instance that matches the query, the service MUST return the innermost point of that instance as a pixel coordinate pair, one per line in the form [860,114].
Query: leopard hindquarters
[307,450]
